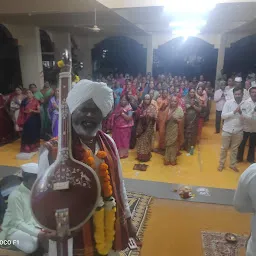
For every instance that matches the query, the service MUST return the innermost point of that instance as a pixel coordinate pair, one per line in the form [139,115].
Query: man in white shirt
[19,224]
[232,131]
[229,87]
[249,114]
[229,90]
[219,98]
[245,202]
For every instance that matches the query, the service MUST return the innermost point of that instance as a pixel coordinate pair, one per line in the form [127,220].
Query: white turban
[30,168]
[238,79]
[84,90]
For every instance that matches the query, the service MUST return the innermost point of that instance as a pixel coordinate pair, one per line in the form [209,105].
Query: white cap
[30,168]
[238,79]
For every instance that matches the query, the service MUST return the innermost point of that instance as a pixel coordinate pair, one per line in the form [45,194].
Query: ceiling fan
[95,28]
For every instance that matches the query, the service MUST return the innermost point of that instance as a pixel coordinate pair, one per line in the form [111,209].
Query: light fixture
[185,33]
[188,23]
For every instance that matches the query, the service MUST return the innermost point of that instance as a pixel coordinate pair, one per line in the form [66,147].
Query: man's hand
[41,236]
[238,110]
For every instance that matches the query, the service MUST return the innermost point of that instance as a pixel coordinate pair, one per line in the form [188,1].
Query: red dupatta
[26,106]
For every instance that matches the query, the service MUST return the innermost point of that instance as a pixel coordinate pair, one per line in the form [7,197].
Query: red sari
[31,124]
[6,127]
[121,131]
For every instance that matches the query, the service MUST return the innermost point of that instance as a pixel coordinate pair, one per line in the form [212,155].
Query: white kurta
[44,164]
[245,201]
[19,223]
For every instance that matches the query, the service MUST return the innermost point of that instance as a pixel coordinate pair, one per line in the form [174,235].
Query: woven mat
[140,209]
[214,244]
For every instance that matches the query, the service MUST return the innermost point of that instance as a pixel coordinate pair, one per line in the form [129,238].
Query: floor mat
[140,209]
[215,244]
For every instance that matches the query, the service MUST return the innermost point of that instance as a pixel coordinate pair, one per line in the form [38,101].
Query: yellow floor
[174,228]
[199,169]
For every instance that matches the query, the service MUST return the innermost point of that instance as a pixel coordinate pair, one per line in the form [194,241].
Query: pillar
[62,42]
[85,47]
[221,58]
[149,54]
[30,56]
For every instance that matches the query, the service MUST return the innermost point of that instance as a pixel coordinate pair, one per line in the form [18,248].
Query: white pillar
[149,54]
[30,56]
[62,42]
[221,57]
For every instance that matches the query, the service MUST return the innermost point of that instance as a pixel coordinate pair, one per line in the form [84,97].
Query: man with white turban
[89,103]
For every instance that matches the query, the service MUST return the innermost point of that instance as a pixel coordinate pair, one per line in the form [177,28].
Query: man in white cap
[249,114]
[245,202]
[89,103]
[19,224]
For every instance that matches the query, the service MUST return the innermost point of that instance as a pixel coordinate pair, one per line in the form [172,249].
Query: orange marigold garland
[104,217]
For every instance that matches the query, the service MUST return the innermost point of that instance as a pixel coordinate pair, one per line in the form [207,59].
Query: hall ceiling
[76,15]
[224,18]
[65,15]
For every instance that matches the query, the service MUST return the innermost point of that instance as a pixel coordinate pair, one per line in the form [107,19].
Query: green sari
[46,122]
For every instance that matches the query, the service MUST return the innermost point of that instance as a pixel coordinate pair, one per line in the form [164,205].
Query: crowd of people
[33,115]
[165,115]
[173,108]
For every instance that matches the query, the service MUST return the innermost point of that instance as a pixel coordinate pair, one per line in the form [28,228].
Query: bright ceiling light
[190,6]
[189,23]
[185,33]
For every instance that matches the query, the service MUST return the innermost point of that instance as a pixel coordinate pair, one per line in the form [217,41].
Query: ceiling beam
[116,4]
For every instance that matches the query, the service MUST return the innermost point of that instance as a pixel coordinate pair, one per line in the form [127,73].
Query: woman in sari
[53,110]
[15,107]
[47,93]
[117,93]
[181,103]
[193,110]
[39,96]
[146,115]
[203,100]
[163,103]
[30,122]
[175,115]
[122,126]
[6,124]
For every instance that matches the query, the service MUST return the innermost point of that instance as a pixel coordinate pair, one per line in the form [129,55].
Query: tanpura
[65,197]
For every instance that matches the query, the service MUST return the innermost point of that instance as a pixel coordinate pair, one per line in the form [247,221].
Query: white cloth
[24,242]
[18,216]
[219,99]
[233,123]
[44,164]
[84,90]
[249,115]
[245,202]
[238,79]
[30,168]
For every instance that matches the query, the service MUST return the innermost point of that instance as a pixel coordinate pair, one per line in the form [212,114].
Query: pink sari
[121,131]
